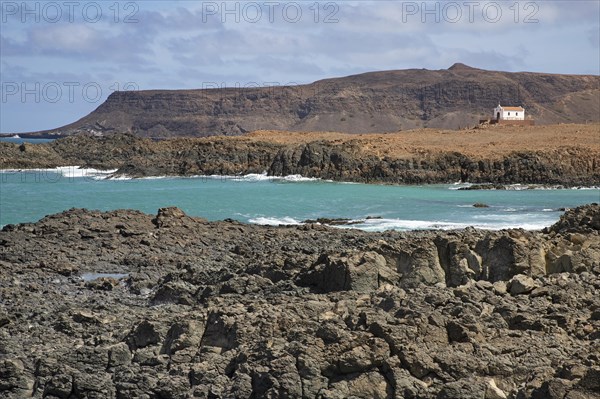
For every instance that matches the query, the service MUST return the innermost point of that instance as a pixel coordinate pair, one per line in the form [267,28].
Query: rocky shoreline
[201,309]
[384,159]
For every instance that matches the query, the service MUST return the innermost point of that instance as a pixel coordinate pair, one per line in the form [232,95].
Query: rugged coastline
[224,309]
[567,155]
[124,304]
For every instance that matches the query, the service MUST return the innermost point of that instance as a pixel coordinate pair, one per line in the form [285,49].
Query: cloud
[565,13]
[593,35]
[65,38]
[185,44]
[188,35]
[78,42]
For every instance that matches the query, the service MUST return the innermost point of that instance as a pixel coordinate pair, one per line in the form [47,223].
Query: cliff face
[372,102]
[566,154]
[328,162]
[227,310]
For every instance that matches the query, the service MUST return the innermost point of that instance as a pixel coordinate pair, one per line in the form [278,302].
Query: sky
[59,60]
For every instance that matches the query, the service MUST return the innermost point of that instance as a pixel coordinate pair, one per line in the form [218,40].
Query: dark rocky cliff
[372,102]
[344,160]
[331,162]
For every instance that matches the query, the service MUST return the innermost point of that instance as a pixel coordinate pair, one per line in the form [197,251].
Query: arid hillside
[386,101]
[491,142]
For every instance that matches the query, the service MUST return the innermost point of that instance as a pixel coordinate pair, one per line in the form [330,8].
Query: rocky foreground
[228,310]
[566,155]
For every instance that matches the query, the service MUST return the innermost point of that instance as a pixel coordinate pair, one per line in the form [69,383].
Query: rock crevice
[305,311]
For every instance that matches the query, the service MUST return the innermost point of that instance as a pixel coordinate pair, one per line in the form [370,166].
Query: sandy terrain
[490,142]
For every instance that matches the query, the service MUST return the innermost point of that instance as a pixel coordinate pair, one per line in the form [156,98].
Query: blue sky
[60,59]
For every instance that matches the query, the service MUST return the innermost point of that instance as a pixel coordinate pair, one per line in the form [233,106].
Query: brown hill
[372,102]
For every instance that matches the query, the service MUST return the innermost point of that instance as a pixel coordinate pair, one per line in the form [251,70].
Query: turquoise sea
[20,140]
[26,196]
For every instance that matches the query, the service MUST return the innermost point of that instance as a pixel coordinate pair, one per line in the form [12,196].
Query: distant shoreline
[31,136]
[557,155]
[73,171]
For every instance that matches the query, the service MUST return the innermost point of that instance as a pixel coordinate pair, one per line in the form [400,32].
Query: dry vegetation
[490,142]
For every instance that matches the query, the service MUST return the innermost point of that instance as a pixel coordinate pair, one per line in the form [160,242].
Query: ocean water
[20,140]
[27,196]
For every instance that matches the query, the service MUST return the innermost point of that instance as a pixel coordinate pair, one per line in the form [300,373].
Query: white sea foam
[155,177]
[300,178]
[125,177]
[78,172]
[251,177]
[70,172]
[521,187]
[273,221]
[402,224]
[512,221]
[118,177]
[407,225]
[411,225]
[460,185]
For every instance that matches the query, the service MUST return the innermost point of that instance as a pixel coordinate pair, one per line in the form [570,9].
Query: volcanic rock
[224,309]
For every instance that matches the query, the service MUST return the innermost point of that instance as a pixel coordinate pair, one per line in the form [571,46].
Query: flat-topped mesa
[372,102]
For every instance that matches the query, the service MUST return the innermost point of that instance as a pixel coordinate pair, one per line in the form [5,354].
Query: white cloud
[174,45]
[64,38]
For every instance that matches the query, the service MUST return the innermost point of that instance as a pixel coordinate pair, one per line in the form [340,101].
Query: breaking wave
[273,221]
[408,225]
[69,172]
